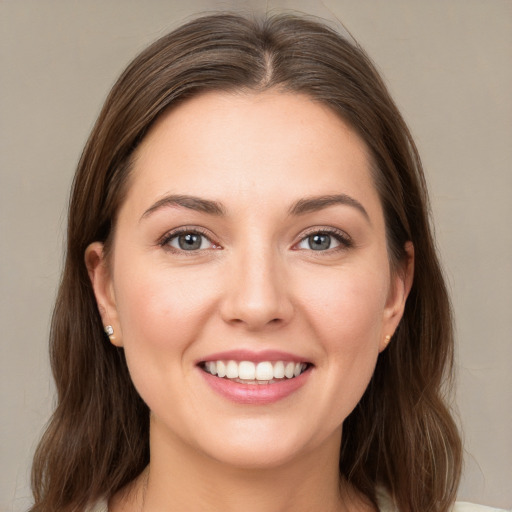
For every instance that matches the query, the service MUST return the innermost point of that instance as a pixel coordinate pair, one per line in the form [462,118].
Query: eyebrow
[191,202]
[316,203]
[301,207]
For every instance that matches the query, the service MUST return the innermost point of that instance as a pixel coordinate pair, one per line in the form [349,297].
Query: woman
[248,225]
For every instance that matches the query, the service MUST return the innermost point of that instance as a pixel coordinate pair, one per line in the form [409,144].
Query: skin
[254,284]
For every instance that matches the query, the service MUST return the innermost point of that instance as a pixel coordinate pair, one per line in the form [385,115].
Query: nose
[257,293]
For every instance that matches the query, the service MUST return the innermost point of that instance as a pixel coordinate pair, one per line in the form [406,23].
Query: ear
[401,283]
[102,284]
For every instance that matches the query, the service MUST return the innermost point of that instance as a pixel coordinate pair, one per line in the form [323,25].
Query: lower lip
[257,394]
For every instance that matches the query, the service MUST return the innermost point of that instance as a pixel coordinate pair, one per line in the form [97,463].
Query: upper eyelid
[169,235]
[164,239]
[327,230]
[344,239]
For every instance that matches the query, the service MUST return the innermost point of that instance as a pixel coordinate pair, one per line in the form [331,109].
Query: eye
[324,241]
[188,240]
[318,242]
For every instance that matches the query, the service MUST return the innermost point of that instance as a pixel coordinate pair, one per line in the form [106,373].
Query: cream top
[384,505]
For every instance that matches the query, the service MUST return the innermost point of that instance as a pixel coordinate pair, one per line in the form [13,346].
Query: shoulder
[101,506]
[386,505]
[461,506]
[458,506]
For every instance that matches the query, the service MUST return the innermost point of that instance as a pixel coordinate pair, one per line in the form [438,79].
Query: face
[251,242]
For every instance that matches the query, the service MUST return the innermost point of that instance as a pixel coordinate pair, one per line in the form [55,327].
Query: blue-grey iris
[319,242]
[190,241]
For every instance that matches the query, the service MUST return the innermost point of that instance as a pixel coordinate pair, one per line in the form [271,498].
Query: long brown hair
[401,435]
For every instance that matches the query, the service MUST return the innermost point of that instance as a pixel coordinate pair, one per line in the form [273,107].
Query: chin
[263,446]
[259,456]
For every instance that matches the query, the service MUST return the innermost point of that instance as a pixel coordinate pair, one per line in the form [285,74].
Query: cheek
[346,315]
[347,309]
[155,301]
[161,313]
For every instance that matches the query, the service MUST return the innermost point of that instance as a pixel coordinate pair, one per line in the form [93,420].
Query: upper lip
[254,356]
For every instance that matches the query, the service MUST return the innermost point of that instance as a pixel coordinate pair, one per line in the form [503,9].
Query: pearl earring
[109,330]
[387,339]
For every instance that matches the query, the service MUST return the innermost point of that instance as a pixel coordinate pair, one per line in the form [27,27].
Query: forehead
[253,147]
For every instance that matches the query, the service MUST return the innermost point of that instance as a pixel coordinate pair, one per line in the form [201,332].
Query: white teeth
[279,370]
[221,369]
[247,371]
[232,370]
[264,371]
[288,370]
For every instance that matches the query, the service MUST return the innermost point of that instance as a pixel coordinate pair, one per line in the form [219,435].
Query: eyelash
[168,237]
[340,236]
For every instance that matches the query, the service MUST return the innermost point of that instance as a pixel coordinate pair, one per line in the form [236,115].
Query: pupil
[319,242]
[189,241]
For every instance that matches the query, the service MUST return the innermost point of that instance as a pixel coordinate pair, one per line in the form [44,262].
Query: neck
[180,478]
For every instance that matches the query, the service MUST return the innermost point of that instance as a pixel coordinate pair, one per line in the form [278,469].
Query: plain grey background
[448,64]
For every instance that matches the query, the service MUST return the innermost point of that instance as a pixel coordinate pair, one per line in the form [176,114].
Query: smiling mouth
[248,372]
